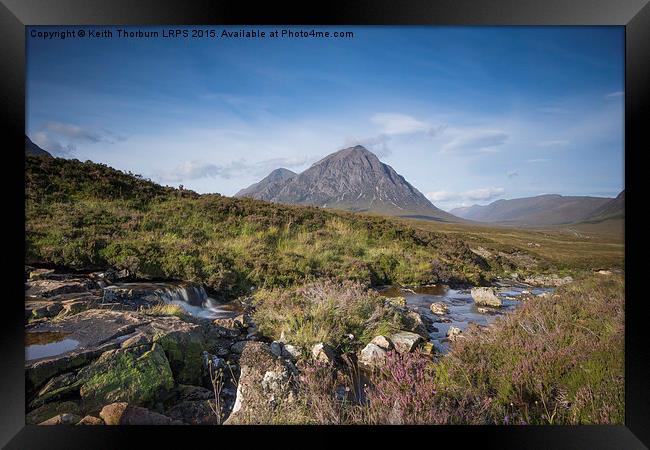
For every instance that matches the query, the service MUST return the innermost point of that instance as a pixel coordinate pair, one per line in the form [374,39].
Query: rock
[238,347]
[604,272]
[62,419]
[196,412]
[416,324]
[91,420]
[135,341]
[372,355]
[439,308]
[323,353]
[49,288]
[122,413]
[382,342]
[49,410]
[291,352]
[193,393]
[264,382]
[405,341]
[137,375]
[428,348]
[276,348]
[454,333]
[56,388]
[485,296]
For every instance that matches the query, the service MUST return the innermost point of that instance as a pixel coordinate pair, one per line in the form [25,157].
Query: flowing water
[191,297]
[461,307]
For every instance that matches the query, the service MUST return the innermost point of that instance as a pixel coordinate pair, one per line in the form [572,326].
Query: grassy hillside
[83,216]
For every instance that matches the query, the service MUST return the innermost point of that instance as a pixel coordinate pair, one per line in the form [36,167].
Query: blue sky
[466,114]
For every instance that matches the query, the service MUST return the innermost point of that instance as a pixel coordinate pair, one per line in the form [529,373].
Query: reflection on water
[461,307]
[45,344]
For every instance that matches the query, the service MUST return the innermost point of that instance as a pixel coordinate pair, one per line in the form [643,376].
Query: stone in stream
[50,288]
[405,341]
[439,308]
[485,296]
[416,324]
[454,333]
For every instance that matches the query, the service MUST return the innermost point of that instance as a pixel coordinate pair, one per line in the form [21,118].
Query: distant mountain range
[33,149]
[352,179]
[551,209]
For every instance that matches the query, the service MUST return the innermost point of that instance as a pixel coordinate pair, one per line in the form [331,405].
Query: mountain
[613,209]
[268,187]
[33,149]
[551,209]
[352,179]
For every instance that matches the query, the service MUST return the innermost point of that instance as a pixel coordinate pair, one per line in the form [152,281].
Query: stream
[462,309]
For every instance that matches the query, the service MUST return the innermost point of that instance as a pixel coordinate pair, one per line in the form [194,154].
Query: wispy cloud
[513,173]
[397,123]
[476,141]
[615,94]
[54,146]
[78,134]
[196,169]
[377,144]
[537,160]
[474,195]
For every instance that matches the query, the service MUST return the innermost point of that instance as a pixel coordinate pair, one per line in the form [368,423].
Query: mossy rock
[134,375]
[184,349]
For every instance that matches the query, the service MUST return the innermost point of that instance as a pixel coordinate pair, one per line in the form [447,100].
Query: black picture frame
[634,15]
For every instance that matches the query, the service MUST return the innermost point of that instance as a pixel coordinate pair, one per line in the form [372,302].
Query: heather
[555,360]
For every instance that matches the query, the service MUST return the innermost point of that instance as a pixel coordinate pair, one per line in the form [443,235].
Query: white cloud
[377,144]
[196,169]
[396,123]
[54,146]
[538,160]
[484,194]
[615,94]
[473,195]
[512,173]
[78,134]
[476,141]
[443,196]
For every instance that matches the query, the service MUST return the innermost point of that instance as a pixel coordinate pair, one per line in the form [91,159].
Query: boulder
[122,413]
[382,342]
[405,341]
[264,382]
[57,388]
[36,274]
[372,355]
[137,375]
[91,420]
[416,324]
[323,353]
[62,419]
[195,412]
[276,348]
[439,308]
[485,296]
[238,347]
